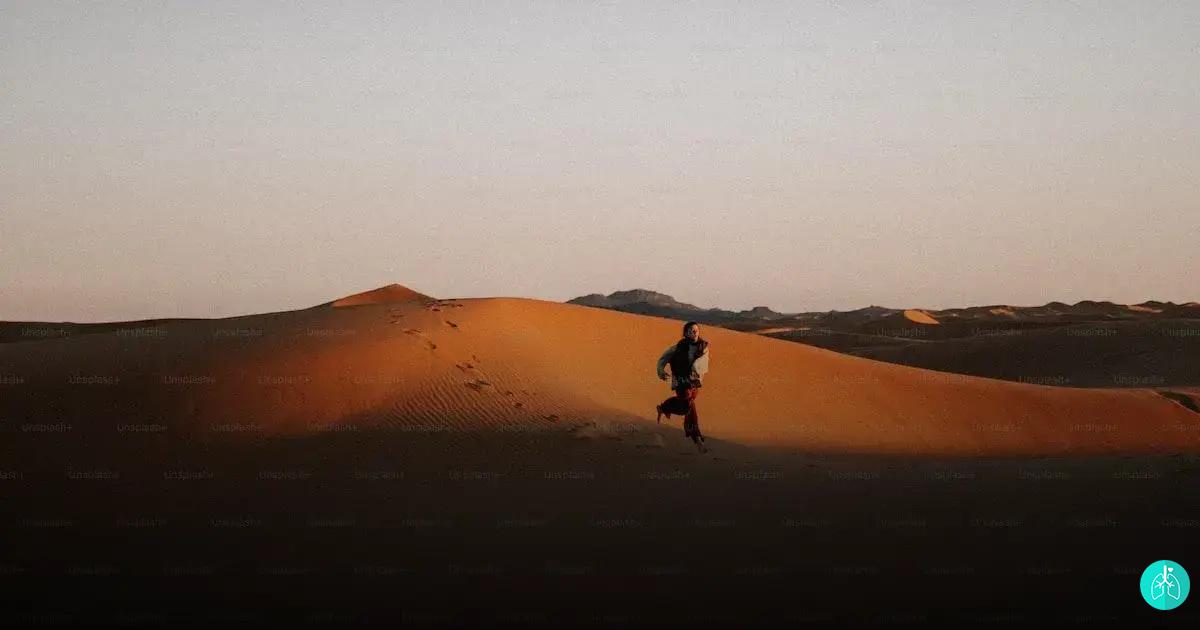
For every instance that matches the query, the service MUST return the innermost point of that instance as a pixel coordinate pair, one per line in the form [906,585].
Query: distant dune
[522,364]
[920,317]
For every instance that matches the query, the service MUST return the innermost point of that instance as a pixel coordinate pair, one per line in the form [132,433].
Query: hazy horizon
[184,160]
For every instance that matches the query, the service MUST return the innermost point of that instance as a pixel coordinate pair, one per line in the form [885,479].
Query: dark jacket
[689,362]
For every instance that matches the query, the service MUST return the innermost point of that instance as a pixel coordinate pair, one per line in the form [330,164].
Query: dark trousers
[684,404]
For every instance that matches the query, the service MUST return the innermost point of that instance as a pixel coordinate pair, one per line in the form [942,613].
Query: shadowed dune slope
[1153,353]
[522,364]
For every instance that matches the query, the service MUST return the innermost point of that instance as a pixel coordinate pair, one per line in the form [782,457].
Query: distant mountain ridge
[618,299]
[647,302]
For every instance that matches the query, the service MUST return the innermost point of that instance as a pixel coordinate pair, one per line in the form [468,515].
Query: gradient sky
[218,158]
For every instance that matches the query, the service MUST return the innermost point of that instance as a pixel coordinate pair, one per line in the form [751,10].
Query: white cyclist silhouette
[1165,584]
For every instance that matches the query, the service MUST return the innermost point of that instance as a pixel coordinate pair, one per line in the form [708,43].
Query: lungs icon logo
[1165,584]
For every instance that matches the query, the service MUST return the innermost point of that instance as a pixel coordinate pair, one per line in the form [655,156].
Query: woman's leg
[691,420]
[677,404]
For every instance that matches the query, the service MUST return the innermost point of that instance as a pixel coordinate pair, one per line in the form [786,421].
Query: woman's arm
[663,360]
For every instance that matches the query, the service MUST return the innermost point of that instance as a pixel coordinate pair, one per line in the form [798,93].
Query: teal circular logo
[1165,584]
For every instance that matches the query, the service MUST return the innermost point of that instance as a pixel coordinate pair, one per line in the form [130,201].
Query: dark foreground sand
[551,530]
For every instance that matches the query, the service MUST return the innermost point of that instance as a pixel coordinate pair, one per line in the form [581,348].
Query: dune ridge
[388,294]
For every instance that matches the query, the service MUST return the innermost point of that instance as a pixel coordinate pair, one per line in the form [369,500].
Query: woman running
[688,359]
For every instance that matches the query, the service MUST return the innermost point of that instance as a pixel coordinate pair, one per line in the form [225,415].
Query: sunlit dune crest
[920,317]
[390,294]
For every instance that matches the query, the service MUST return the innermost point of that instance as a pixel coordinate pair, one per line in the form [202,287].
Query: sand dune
[919,316]
[390,294]
[529,365]
[408,457]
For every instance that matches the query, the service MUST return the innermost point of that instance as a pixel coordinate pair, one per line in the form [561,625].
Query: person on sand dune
[688,359]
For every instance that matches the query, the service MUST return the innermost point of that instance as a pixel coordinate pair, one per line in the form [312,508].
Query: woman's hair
[689,325]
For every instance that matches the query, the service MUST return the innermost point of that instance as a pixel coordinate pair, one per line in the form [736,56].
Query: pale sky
[212,158]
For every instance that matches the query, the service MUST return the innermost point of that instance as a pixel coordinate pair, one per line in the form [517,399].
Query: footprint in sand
[451,324]
[478,384]
[420,335]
